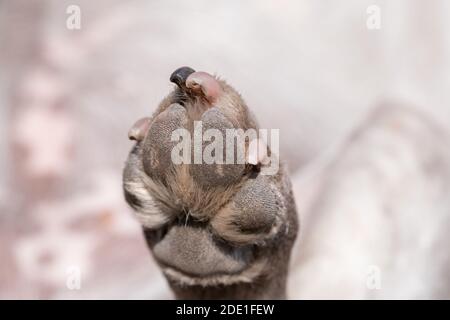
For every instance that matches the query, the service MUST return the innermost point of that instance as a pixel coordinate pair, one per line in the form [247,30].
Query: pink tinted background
[371,177]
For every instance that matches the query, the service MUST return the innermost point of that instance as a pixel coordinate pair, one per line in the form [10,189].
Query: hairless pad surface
[210,175]
[258,205]
[251,214]
[194,251]
[158,145]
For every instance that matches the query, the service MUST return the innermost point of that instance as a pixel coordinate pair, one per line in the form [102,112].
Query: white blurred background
[364,116]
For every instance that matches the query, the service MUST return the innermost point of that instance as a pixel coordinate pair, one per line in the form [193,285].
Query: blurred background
[363,113]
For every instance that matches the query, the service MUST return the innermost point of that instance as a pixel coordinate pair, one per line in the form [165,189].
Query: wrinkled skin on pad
[196,252]
[209,226]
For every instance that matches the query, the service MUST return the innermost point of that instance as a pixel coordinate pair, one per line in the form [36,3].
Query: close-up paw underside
[213,219]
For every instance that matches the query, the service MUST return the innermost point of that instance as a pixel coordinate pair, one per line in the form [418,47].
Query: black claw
[180,75]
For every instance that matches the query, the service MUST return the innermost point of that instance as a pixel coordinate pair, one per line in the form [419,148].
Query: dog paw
[215,218]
